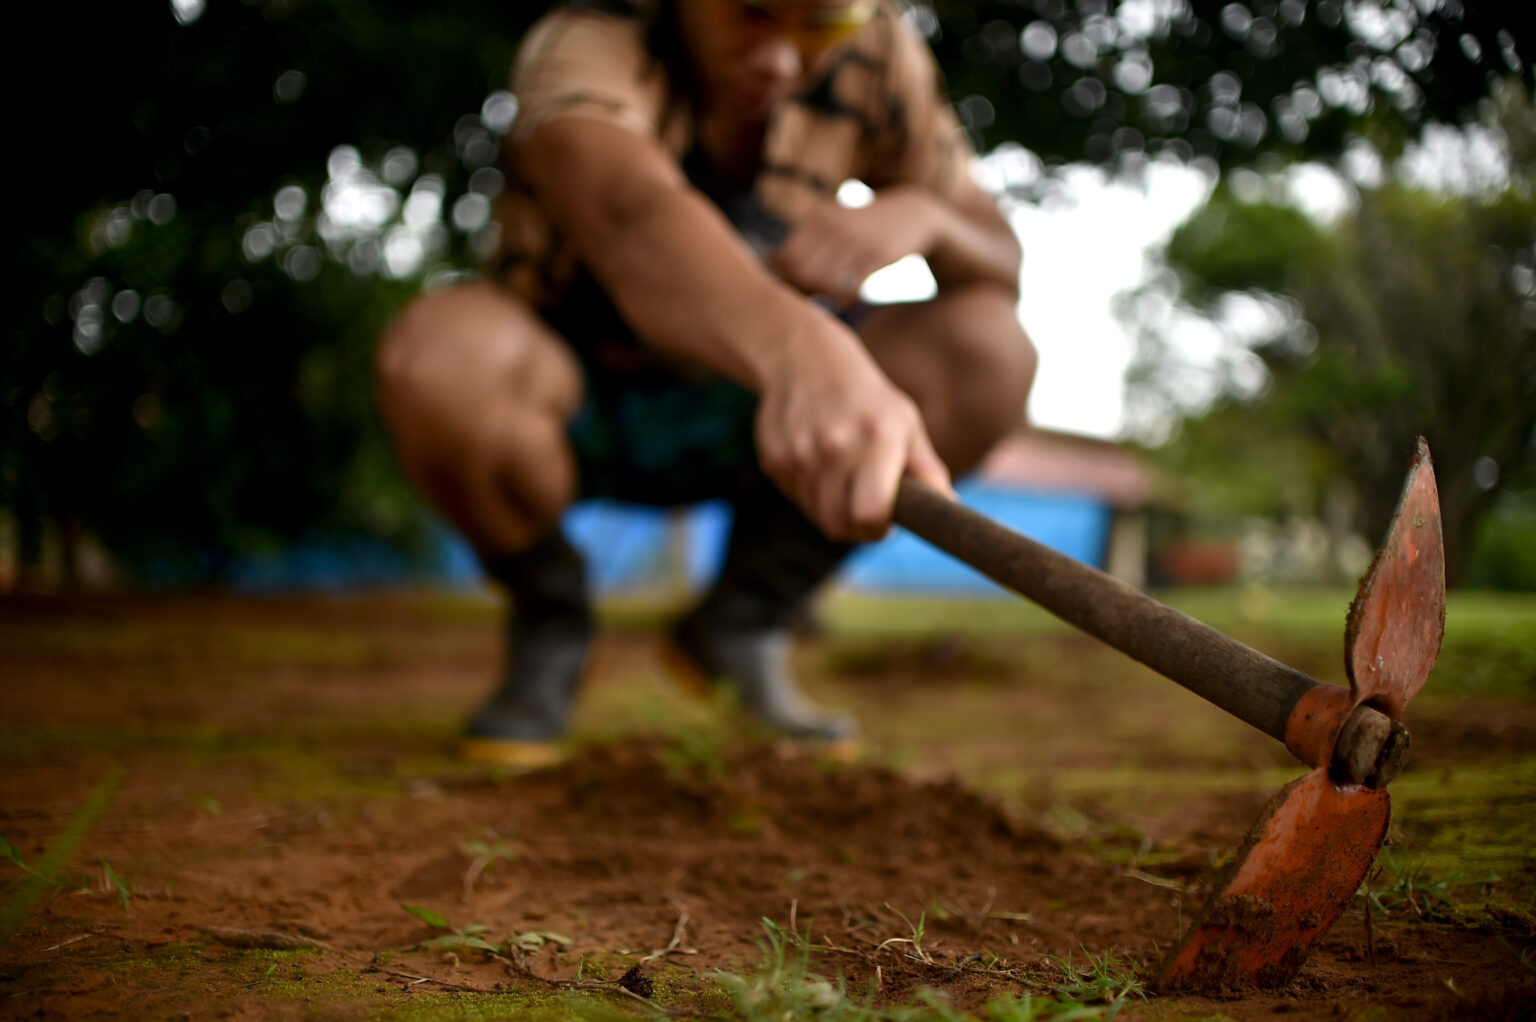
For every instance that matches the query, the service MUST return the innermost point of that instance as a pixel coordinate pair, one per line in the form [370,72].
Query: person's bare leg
[966,361]
[476,392]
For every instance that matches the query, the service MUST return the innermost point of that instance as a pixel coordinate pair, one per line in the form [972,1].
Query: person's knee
[993,357]
[397,362]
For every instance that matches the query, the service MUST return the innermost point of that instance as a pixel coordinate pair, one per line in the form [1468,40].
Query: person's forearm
[682,279]
[974,246]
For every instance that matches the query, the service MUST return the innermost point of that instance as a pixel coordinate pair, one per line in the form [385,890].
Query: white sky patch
[1079,252]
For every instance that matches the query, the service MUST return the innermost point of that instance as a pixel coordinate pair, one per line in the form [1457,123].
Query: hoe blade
[1398,618]
[1301,864]
[1311,847]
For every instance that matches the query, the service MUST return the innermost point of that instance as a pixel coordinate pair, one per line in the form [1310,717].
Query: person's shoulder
[602,30]
[590,60]
[896,34]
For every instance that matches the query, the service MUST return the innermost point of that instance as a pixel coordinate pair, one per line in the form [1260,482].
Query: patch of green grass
[1400,886]
[694,754]
[246,643]
[462,937]
[916,616]
[1101,979]
[785,986]
[46,877]
[115,882]
[1477,818]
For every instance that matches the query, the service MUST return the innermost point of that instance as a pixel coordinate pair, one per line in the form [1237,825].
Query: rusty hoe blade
[1312,845]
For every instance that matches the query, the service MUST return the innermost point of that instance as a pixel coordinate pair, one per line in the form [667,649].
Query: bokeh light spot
[498,111]
[1035,75]
[162,209]
[302,263]
[1079,51]
[162,313]
[487,181]
[40,417]
[236,296]
[425,203]
[289,202]
[471,211]
[344,161]
[146,411]
[480,151]
[88,335]
[289,86]
[854,194]
[187,11]
[125,305]
[399,165]
[1038,41]
[1485,473]
[258,242]
[403,252]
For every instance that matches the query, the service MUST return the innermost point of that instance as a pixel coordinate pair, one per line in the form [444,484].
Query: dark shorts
[664,440]
[648,433]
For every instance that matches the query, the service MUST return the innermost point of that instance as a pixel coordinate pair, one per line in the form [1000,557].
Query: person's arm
[926,202]
[832,430]
[965,240]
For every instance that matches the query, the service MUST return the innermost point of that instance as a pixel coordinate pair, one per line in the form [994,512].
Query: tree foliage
[187,370]
[223,201]
[1111,81]
[1413,315]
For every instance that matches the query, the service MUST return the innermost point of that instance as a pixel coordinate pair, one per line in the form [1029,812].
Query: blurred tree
[218,209]
[1413,314]
[1113,81]
[217,205]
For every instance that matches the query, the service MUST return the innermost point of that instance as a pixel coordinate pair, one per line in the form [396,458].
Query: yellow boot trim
[520,755]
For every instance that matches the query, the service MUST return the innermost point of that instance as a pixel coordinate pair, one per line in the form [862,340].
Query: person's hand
[834,249]
[837,436]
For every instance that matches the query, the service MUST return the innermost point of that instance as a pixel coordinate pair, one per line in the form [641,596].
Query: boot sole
[519,755]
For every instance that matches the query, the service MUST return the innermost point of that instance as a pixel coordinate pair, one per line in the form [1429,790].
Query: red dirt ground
[286,771]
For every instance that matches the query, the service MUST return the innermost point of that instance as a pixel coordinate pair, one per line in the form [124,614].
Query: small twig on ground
[1016,975]
[981,917]
[471,874]
[430,979]
[677,938]
[1156,881]
[262,940]
[66,943]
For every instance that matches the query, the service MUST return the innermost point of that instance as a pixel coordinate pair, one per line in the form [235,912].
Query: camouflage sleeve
[925,143]
[589,65]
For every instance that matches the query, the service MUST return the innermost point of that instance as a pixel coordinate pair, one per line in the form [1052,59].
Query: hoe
[1310,848]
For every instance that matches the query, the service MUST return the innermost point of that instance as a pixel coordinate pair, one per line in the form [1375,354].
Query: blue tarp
[630,548]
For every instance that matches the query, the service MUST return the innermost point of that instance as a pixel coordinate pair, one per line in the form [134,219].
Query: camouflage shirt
[876,114]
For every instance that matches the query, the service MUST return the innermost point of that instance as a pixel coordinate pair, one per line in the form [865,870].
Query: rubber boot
[739,635]
[548,636]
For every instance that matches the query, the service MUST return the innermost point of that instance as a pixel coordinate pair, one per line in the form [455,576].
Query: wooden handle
[1214,666]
